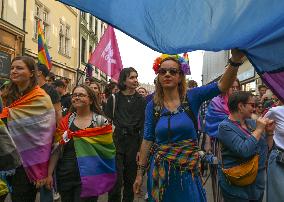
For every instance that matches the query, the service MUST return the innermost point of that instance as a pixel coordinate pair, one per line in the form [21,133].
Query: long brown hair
[159,93]
[95,107]
[12,92]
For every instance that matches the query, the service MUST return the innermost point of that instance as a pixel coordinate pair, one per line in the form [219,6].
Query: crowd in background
[79,127]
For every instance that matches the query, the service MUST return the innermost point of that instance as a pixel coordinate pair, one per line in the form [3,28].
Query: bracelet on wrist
[141,169]
[234,64]
[269,134]
[141,166]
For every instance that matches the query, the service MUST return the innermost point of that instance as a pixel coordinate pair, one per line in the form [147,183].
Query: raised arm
[231,71]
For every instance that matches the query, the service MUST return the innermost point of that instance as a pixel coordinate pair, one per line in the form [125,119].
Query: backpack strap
[71,119]
[187,108]
[156,115]
[113,104]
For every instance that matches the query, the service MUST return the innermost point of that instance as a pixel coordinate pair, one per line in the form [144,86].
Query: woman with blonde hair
[170,138]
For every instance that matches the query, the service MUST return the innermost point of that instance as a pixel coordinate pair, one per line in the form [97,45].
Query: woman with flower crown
[169,149]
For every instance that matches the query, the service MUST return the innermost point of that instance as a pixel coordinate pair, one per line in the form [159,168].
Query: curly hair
[12,92]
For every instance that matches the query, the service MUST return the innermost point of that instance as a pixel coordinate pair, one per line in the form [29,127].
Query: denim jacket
[238,147]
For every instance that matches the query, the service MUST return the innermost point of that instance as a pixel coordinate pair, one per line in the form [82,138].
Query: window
[91,23]
[45,25]
[96,26]
[83,15]
[90,51]
[36,20]
[102,28]
[67,40]
[41,14]
[45,16]
[35,28]
[37,11]
[83,50]
[61,38]
[64,39]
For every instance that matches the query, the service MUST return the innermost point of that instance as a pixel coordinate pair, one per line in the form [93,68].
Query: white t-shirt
[277,114]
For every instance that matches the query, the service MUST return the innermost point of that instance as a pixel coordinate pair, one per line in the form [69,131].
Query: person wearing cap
[65,100]
[50,90]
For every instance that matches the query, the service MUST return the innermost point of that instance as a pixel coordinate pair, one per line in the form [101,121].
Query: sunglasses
[251,104]
[172,71]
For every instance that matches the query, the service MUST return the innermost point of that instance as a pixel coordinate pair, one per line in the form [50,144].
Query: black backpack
[185,106]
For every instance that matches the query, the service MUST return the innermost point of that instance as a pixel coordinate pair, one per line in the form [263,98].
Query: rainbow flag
[43,55]
[31,123]
[95,152]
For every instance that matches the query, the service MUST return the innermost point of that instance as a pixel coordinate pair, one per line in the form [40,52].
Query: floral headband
[184,64]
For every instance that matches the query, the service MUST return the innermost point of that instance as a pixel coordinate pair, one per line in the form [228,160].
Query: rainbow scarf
[217,111]
[31,123]
[181,155]
[95,152]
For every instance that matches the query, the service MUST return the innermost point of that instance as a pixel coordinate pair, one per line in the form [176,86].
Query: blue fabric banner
[167,26]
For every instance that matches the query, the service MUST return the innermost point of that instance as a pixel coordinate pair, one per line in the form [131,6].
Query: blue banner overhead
[167,26]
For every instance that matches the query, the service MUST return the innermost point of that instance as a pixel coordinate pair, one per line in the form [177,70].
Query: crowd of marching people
[92,141]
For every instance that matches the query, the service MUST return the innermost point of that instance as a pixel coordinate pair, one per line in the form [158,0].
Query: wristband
[235,64]
[142,169]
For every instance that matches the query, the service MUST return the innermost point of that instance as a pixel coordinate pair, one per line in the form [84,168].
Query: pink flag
[106,55]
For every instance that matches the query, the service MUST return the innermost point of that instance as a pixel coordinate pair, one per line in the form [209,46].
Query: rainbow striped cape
[31,123]
[95,152]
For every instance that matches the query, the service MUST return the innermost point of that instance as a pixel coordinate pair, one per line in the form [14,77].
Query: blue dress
[180,187]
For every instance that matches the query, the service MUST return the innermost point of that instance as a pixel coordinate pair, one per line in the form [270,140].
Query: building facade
[214,65]
[12,33]
[91,30]
[59,23]
[149,87]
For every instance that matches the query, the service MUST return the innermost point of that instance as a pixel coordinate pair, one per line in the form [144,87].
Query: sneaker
[56,196]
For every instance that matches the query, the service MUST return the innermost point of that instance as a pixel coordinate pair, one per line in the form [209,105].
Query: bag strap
[71,119]
[113,105]
[187,108]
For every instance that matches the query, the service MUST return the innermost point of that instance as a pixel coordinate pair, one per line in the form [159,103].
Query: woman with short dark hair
[243,143]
